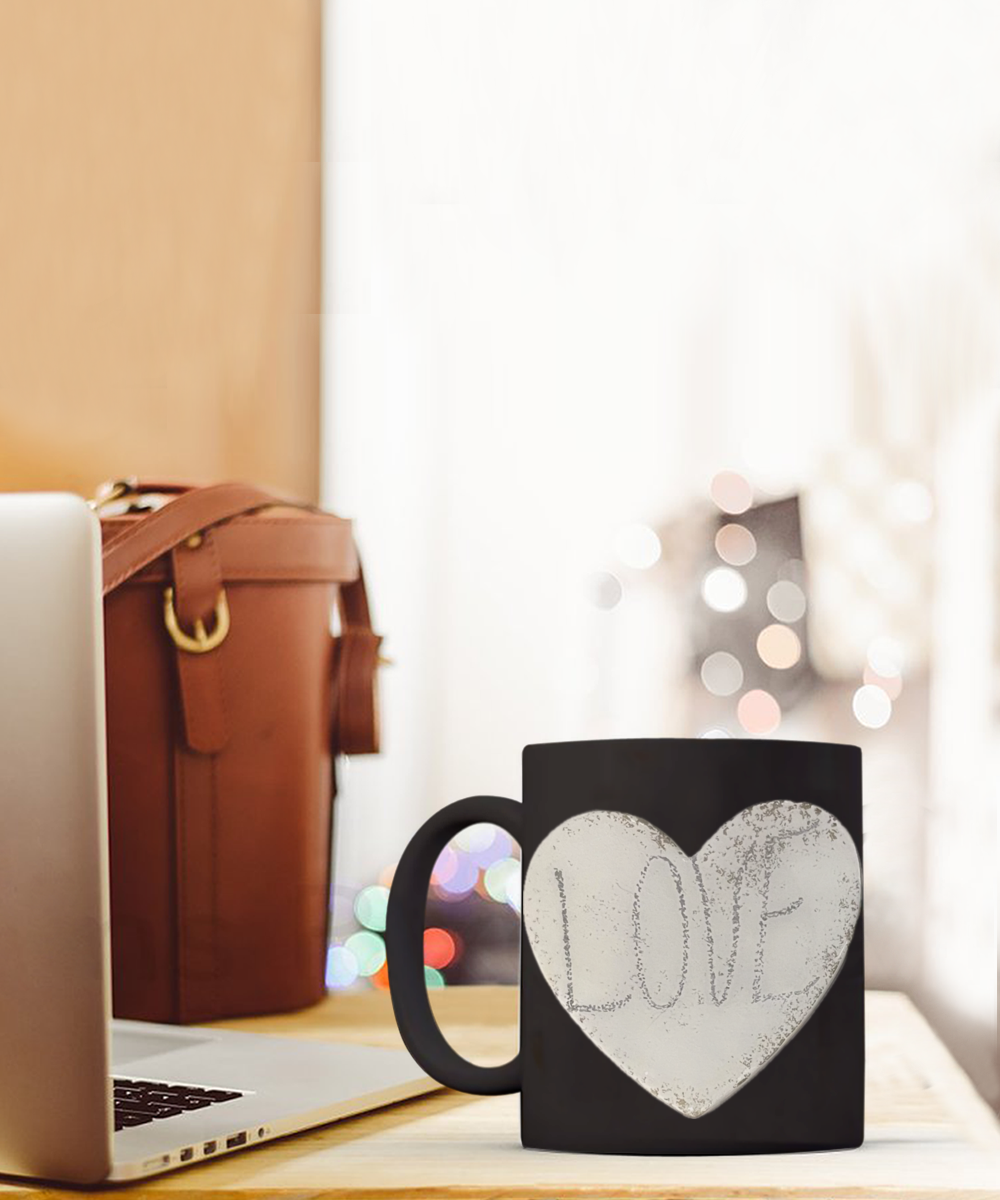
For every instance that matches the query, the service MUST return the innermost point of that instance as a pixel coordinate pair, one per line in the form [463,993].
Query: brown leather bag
[227,698]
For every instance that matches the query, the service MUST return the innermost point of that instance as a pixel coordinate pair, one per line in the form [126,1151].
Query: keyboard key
[145,1107]
[127,1120]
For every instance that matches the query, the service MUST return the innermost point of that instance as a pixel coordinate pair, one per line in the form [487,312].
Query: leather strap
[277,545]
[197,584]
[187,514]
[355,723]
[355,658]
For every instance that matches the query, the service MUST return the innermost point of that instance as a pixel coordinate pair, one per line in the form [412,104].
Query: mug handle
[404,940]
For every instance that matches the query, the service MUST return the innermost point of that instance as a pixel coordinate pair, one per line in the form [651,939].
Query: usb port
[210,1147]
[187,1154]
[238,1139]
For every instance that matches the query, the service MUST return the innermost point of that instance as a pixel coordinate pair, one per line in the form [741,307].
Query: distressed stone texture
[692,973]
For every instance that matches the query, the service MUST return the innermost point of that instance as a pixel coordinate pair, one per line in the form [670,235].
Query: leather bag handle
[188,513]
[354,719]
[355,726]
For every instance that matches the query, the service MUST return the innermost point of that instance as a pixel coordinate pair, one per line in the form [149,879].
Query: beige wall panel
[159,241]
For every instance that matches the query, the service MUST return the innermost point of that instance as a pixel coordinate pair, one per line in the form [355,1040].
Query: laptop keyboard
[139,1101]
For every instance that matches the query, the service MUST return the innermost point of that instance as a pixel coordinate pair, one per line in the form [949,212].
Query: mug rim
[728,741]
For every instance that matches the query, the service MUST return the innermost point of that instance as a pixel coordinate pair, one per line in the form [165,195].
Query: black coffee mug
[692,967]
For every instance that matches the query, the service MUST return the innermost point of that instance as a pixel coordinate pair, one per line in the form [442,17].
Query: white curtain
[581,255]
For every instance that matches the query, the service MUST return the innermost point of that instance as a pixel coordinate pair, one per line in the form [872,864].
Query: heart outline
[835,899]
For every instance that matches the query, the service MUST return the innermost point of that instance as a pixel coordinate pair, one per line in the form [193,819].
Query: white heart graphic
[692,973]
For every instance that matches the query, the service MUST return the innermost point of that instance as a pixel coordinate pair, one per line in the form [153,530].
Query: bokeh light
[445,867]
[779,647]
[480,888]
[892,685]
[731,492]
[512,889]
[475,838]
[604,590]
[368,950]
[342,910]
[500,847]
[463,880]
[370,905]
[497,877]
[439,947]
[758,712]
[724,589]
[638,546]
[381,977]
[433,977]
[872,706]
[885,656]
[721,673]
[341,967]
[786,601]
[736,545]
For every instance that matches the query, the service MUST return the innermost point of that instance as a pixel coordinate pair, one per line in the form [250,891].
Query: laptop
[84,1098]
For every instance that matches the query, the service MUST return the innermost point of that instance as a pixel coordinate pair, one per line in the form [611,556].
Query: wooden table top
[929,1136]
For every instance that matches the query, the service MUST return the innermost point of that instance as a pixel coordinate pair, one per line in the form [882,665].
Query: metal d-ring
[202,641]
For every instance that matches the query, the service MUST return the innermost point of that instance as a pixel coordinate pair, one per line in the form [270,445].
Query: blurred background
[654,347]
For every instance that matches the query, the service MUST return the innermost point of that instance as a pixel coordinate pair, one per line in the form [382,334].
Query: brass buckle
[202,642]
